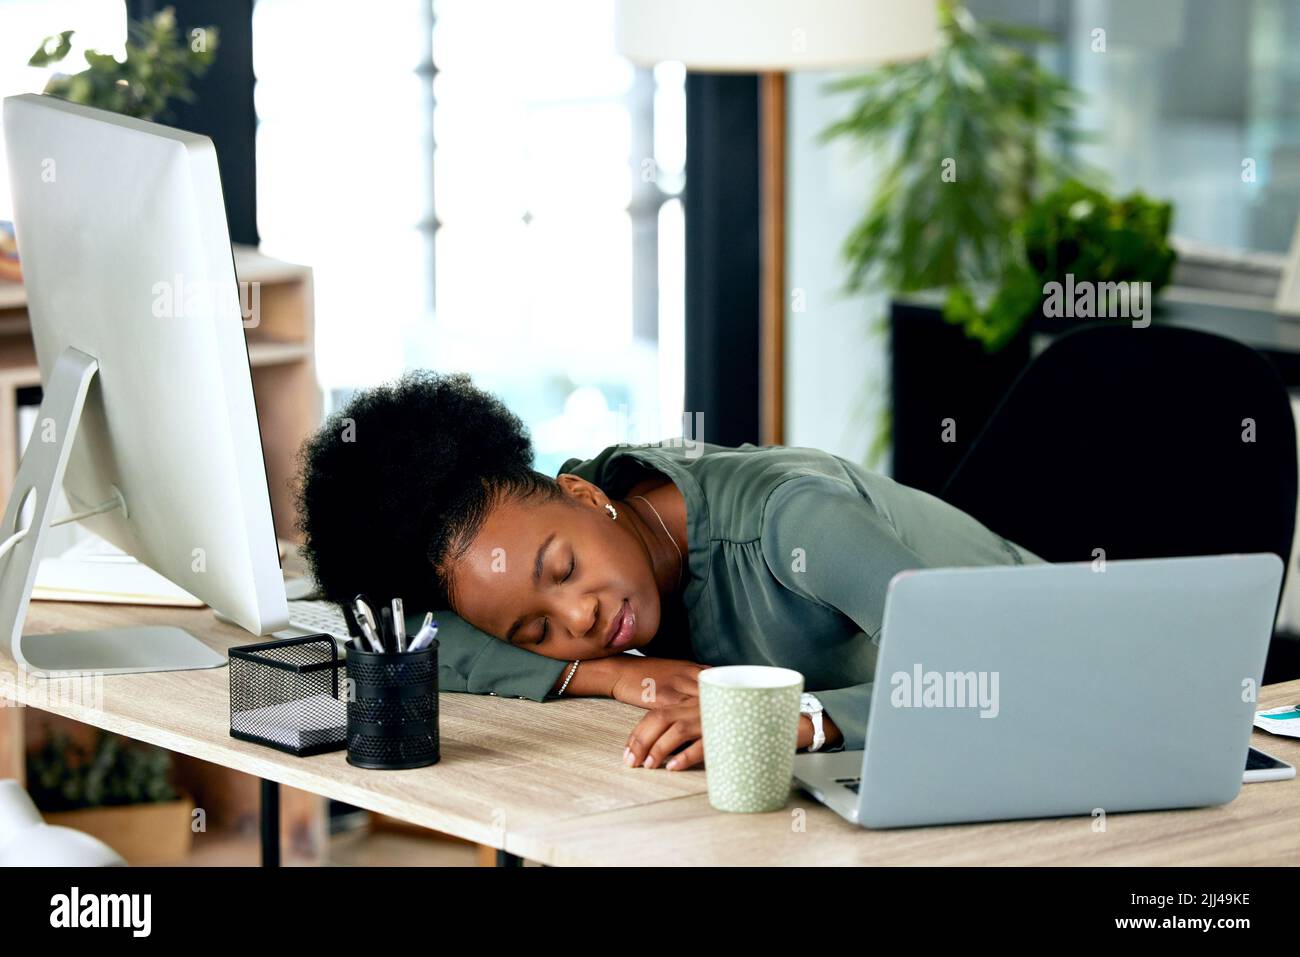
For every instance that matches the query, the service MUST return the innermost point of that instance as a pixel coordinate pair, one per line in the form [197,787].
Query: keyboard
[314,618]
[308,617]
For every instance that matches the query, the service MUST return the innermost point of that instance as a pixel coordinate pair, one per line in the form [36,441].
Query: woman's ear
[581,491]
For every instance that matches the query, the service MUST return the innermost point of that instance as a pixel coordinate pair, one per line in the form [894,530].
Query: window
[344,154]
[1196,101]
[483,185]
[557,174]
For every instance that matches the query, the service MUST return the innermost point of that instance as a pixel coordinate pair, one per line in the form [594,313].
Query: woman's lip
[623,627]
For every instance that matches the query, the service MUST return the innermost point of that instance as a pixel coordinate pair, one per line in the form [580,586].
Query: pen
[376,645]
[425,636]
[364,613]
[386,622]
[399,625]
[366,622]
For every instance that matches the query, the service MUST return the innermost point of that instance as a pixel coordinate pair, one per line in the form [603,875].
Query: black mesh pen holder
[287,695]
[392,708]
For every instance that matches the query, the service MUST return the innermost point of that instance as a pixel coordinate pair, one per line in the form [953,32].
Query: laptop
[1051,690]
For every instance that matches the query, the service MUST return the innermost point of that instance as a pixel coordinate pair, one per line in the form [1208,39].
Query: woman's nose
[580,615]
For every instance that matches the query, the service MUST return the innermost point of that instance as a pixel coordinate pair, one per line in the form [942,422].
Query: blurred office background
[487,186]
[1185,90]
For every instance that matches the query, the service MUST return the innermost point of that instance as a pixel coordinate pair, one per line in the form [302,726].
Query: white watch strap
[811,706]
[819,733]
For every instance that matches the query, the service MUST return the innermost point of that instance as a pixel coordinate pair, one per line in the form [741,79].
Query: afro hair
[394,486]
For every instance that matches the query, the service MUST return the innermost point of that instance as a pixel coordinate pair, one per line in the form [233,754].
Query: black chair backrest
[1145,443]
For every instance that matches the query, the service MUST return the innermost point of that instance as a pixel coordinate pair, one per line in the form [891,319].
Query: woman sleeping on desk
[691,554]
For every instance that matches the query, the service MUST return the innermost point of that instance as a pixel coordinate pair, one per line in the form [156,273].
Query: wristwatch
[811,706]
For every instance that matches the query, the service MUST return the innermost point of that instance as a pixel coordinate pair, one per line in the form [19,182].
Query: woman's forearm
[593,679]
[598,678]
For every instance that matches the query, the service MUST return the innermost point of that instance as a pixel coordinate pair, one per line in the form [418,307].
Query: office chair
[1131,440]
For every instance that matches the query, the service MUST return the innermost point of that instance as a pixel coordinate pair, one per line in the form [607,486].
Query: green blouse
[790,555]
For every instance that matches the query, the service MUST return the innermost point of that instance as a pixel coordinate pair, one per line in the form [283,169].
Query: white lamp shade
[770,35]
[27,841]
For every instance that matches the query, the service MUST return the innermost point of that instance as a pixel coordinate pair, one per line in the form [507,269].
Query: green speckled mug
[749,716]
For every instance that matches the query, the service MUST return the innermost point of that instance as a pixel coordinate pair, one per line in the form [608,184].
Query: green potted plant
[963,134]
[966,138]
[1074,232]
[978,204]
[118,791]
[160,67]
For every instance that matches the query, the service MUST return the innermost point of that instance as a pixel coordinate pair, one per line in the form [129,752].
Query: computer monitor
[147,415]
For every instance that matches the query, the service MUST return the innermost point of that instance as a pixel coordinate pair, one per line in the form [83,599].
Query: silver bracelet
[572,671]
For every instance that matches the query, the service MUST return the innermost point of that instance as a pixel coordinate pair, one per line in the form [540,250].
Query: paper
[304,723]
[1284,720]
[96,570]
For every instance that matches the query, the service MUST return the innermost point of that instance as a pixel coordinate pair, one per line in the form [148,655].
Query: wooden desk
[546,782]
[506,764]
[1261,826]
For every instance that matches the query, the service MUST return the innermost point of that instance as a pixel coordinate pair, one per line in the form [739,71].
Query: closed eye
[546,623]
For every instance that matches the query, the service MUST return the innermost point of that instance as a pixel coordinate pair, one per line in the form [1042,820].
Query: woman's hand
[677,728]
[655,683]
[664,731]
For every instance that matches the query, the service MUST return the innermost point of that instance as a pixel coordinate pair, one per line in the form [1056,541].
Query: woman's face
[559,577]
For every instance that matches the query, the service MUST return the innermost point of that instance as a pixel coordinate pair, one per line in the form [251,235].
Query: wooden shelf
[270,352]
[12,295]
[18,368]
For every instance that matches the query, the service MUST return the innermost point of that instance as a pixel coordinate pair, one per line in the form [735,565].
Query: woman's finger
[692,756]
[690,687]
[680,732]
[643,736]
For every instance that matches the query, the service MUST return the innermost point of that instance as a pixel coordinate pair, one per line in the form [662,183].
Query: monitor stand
[40,476]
